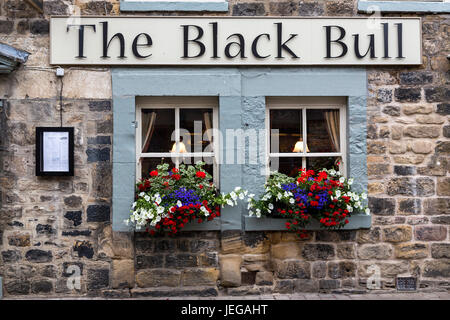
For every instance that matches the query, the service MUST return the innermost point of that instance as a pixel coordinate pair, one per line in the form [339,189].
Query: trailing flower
[169,199]
[325,196]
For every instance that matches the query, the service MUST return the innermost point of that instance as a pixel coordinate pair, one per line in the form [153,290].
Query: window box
[357,221]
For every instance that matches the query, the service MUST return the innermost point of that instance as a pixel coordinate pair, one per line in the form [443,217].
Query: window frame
[177,104]
[301,104]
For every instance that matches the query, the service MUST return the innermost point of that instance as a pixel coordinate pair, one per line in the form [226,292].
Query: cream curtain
[332,118]
[149,123]
[207,118]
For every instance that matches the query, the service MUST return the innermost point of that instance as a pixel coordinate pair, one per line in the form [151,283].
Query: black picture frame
[40,151]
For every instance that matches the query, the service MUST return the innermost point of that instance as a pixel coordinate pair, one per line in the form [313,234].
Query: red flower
[154,173]
[200,186]
[175,170]
[200,174]
[176,176]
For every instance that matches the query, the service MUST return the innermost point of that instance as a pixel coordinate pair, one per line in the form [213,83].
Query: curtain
[332,119]
[207,118]
[150,125]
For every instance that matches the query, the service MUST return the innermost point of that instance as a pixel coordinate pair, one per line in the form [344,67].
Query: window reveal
[176,133]
[308,136]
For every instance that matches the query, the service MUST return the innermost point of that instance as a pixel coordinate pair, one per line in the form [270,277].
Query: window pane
[149,164]
[157,128]
[323,130]
[196,122]
[289,124]
[319,163]
[287,165]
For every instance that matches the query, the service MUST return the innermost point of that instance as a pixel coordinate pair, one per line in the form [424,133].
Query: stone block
[437,269]
[97,279]
[292,269]
[440,250]
[122,274]
[443,187]
[397,234]
[318,251]
[430,233]
[230,270]
[375,251]
[158,278]
[436,206]
[285,250]
[411,251]
[382,206]
[264,278]
[38,256]
[98,213]
[200,277]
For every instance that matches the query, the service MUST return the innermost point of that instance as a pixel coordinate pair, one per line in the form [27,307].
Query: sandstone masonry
[50,226]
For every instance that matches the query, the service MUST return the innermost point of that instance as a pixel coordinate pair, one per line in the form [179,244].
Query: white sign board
[56,151]
[234,41]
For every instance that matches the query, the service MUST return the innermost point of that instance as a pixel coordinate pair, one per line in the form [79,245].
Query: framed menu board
[54,151]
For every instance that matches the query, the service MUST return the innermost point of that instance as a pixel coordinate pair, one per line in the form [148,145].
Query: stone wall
[48,225]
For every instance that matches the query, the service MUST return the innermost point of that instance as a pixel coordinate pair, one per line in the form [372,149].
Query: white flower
[147,198]
[127,222]
[237,188]
[364,196]
[332,172]
[279,195]
[134,205]
[160,210]
[355,197]
[230,203]
[141,194]
[367,211]
[338,194]
[291,201]
[241,196]
[350,181]
[251,195]
[341,179]
[179,204]
[350,208]
[233,195]
[250,205]
[250,213]
[258,213]
[270,206]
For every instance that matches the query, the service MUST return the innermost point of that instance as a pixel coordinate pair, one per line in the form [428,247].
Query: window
[174,5]
[306,133]
[432,6]
[176,131]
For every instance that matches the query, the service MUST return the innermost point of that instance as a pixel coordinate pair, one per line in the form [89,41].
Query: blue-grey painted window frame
[194,6]
[403,6]
[242,94]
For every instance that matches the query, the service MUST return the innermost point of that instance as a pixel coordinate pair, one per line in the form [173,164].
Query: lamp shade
[182,148]
[299,147]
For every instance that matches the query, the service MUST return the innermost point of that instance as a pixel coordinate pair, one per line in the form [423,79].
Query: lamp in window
[299,147]
[182,147]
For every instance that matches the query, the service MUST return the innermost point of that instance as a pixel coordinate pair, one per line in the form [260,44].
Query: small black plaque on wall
[406,283]
[54,151]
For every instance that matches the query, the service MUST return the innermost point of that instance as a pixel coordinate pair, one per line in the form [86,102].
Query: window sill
[214,6]
[403,6]
[357,221]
